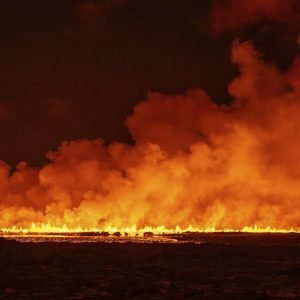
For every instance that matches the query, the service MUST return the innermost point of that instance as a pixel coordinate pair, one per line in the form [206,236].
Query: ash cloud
[194,162]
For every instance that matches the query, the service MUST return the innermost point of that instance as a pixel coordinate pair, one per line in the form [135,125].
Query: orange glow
[196,166]
[134,230]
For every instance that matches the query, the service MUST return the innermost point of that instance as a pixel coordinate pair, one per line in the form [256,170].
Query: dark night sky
[75,69]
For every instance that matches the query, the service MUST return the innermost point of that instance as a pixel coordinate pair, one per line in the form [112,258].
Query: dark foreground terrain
[223,267]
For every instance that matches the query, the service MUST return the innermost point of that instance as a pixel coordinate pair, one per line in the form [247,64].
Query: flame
[134,230]
[196,166]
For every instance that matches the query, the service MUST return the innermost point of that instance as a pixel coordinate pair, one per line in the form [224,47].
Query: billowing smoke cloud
[194,162]
[231,15]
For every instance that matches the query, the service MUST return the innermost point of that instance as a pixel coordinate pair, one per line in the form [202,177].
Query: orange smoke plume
[195,164]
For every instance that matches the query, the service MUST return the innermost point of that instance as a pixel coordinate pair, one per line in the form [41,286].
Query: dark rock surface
[242,268]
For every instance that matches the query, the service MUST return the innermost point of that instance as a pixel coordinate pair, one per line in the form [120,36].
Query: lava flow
[195,166]
[134,230]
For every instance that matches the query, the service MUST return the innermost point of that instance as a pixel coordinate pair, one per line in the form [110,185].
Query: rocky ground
[223,267]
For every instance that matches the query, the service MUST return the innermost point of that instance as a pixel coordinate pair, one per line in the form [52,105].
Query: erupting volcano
[150,149]
[195,165]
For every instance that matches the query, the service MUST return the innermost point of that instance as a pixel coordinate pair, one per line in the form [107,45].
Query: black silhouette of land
[200,266]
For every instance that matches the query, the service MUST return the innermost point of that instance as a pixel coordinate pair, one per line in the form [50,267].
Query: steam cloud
[194,162]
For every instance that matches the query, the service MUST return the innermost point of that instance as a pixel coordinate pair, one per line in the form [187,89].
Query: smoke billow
[194,162]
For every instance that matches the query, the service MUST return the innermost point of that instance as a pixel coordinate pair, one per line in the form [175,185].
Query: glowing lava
[134,230]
